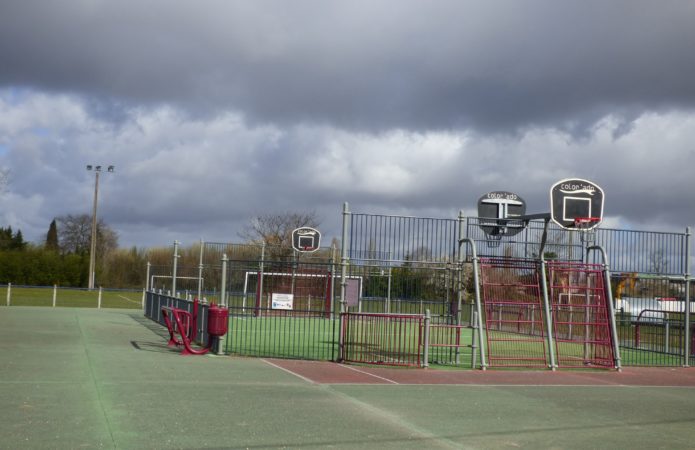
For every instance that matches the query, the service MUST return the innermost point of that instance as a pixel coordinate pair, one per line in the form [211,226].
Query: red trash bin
[218,320]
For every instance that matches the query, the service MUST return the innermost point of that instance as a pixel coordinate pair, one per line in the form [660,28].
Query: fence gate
[388,339]
[581,324]
[512,300]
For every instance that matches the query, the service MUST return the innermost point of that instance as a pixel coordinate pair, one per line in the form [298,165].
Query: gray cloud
[215,111]
[494,66]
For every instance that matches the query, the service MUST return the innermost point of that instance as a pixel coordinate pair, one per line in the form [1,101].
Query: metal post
[688,331]
[388,291]
[223,288]
[548,318]
[344,257]
[479,311]
[148,286]
[9,293]
[93,244]
[223,300]
[200,270]
[143,299]
[259,294]
[55,294]
[343,276]
[99,299]
[481,344]
[426,356]
[459,281]
[474,336]
[173,277]
[332,292]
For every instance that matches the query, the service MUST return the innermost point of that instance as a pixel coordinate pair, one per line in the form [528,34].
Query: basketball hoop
[586,226]
[494,240]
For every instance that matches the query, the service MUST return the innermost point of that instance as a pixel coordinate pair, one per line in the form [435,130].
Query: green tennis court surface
[86,378]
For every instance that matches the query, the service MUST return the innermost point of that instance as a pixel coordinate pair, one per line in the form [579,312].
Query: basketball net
[586,225]
[494,240]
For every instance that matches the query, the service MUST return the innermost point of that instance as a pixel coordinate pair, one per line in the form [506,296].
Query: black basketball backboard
[306,239]
[575,198]
[494,210]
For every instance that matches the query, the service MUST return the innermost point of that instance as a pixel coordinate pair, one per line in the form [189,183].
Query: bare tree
[75,234]
[658,261]
[276,229]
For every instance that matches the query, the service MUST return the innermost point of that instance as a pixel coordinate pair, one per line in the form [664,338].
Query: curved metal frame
[609,300]
[481,328]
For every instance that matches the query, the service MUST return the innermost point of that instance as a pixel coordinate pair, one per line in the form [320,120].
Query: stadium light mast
[93,246]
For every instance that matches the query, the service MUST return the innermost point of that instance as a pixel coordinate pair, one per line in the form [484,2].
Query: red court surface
[321,372]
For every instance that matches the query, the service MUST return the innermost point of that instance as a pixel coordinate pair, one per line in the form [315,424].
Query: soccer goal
[310,292]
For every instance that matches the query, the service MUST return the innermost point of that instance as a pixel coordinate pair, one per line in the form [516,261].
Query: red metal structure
[184,323]
[580,313]
[513,310]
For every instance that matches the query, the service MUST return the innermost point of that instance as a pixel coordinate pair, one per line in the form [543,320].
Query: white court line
[289,371]
[127,299]
[370,374]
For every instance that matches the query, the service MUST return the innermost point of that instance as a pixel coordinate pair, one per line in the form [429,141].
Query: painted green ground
[86,378]
[82,298]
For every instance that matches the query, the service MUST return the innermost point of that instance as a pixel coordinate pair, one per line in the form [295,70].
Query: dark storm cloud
[491,66]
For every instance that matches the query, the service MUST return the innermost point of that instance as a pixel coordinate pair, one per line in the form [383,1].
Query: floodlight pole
[93,244]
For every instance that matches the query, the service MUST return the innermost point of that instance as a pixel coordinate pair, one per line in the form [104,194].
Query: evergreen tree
[18,241]
[52,237]
[11,240]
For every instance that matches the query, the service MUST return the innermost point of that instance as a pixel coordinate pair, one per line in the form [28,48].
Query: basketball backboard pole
[525,219]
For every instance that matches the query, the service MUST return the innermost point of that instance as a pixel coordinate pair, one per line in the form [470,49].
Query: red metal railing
[581,321]
[512,303]
[385,339]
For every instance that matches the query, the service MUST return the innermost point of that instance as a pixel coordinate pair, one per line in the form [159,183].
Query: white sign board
[352,292]
[282,301]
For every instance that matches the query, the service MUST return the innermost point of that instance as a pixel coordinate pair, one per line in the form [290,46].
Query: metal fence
[408,265]
[383,339]
[273,333]
[153,310]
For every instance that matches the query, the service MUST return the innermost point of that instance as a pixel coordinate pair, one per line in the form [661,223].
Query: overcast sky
[216,111]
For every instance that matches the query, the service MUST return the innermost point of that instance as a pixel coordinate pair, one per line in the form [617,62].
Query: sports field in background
[80,298]
[87,378]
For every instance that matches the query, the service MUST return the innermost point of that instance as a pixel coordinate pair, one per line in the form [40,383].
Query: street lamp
[93,247]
